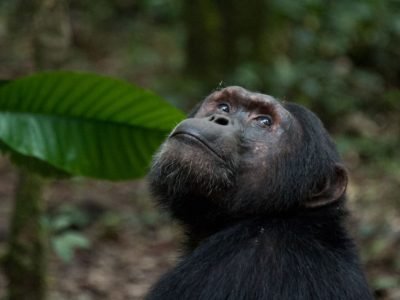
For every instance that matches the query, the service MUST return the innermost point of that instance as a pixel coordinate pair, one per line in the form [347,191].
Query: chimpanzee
[260,189]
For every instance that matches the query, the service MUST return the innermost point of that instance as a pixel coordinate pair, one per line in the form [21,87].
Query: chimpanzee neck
[322,222]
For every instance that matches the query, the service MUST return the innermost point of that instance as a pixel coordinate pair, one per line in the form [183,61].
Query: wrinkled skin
[253,181]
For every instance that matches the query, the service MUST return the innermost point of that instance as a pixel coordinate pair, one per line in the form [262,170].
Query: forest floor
[128,248]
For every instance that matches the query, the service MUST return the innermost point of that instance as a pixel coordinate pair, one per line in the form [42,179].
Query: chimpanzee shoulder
[262,259]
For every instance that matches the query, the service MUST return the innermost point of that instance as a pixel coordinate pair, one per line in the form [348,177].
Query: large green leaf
[84,124]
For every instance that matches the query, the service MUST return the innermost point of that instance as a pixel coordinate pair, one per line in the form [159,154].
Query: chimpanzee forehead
[241,94]
[247,99]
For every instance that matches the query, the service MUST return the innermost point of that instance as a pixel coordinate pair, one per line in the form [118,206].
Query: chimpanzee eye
[224,107]
[264,121]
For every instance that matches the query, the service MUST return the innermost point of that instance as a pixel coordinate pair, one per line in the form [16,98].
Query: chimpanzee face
[257,123]
[245,129]
[237,147]
[232,138]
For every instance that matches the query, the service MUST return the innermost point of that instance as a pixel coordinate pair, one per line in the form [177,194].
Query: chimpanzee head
[246,154]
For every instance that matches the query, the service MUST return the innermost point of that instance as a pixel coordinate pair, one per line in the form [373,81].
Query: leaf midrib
[84,120]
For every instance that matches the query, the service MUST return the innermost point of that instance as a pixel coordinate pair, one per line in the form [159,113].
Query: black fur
[256,233]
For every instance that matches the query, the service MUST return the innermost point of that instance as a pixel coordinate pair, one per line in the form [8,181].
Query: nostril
[221,121]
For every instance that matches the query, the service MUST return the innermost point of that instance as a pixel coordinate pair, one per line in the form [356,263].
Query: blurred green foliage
[339,58]
[64,225]
[334,56]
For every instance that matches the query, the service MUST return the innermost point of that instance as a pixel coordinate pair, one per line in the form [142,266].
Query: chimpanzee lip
[198,140]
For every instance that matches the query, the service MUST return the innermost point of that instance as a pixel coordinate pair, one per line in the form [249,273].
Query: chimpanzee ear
[331,190]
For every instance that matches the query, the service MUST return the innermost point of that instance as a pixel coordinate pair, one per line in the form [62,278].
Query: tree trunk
[25,262]
[221,35]
[203,40]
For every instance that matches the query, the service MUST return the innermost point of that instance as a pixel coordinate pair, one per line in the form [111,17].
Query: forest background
[339,58]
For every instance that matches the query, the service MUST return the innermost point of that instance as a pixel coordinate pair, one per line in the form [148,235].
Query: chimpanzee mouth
[195,139]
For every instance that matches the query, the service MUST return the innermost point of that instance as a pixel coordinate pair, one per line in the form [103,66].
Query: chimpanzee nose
[220,120]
